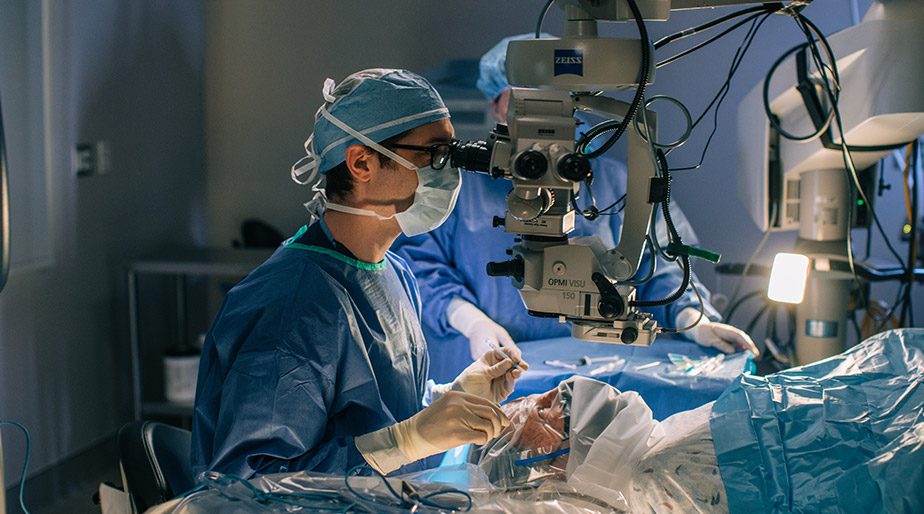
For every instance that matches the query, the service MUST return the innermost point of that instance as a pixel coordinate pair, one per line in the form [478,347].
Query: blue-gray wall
[129,73]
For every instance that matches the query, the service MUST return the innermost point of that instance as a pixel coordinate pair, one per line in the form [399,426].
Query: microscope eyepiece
[471,155]
[531,165]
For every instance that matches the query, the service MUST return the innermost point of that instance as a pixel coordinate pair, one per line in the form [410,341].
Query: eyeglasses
[439,153]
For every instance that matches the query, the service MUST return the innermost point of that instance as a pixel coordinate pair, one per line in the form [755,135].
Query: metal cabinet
[211,270]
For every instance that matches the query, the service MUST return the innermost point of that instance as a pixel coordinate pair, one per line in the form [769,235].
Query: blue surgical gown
[313,348]
[450,262]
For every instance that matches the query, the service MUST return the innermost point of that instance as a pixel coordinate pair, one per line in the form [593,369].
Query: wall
[266,63]
[129,73]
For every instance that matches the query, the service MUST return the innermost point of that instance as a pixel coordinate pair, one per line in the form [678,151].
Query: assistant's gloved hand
[480,330]
[492,376]
[717,335]
[456,418]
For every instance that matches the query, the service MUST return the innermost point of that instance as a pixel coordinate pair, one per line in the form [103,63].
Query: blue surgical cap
[492,79]
[378,103]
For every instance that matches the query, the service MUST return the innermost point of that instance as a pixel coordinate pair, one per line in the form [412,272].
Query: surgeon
[460,298]
[316,361]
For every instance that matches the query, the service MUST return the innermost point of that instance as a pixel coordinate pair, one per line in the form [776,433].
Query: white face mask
[434,198]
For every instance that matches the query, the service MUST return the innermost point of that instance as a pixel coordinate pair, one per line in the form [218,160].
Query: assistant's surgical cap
[378,103]
[492,77]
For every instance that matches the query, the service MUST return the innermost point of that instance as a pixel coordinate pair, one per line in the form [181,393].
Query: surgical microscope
[578,279]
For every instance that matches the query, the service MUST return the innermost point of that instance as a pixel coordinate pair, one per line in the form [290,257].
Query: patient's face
[536,421]
[537,426]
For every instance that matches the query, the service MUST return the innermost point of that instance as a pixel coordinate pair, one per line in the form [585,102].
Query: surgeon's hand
[481,330]
[493,375]
[483,333]
[723,337]
[456,418]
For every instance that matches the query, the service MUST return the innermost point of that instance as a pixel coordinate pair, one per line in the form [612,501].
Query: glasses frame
[439,152]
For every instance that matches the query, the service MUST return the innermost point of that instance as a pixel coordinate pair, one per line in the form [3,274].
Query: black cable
[740,302]
[591,213]
[651,267]
[709,24]
[807,26]
[772,319]
[907,308]
[709,41]
[673,236]
[545,10]
[736,62]
[750,262]
[720,96]
[833,97]
[791,343]
[598,130]
[699,318]
[665,205]
[774,120]
[756,319]
[619,200]
[413,503]
[888,313]
[856,326]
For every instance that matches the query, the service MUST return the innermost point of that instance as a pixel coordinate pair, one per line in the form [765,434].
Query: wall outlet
[85,160]
[93,158]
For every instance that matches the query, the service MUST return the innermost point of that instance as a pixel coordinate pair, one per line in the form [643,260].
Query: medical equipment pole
[821,318]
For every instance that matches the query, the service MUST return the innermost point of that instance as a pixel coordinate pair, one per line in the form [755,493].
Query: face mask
[434,198]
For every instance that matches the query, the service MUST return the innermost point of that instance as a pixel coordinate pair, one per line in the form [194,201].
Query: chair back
[155,462]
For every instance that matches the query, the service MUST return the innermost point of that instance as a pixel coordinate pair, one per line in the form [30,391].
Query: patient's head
[537,422]
[538,427]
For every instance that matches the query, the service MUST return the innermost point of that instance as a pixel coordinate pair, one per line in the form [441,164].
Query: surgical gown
[450,262]
[313,348]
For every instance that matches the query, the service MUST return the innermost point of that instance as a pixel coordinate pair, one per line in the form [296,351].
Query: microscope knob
[629,335]
[611,304]
[609,309]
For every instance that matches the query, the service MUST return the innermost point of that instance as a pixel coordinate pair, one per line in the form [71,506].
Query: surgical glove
[710,333]
[480,330]
[456,418]
[492,376]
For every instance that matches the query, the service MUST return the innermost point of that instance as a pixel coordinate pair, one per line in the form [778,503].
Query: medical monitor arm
[791,181]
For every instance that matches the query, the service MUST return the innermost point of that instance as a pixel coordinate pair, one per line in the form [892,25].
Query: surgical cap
[378,103]
[492,78]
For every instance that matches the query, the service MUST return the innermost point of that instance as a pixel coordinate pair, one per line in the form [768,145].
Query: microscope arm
[622,262]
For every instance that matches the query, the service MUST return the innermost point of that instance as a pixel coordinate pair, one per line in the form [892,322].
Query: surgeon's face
[395,184]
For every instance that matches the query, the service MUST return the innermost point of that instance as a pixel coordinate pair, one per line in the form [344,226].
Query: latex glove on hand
[480,330]
[456,418]
[492,376]
[720,336]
